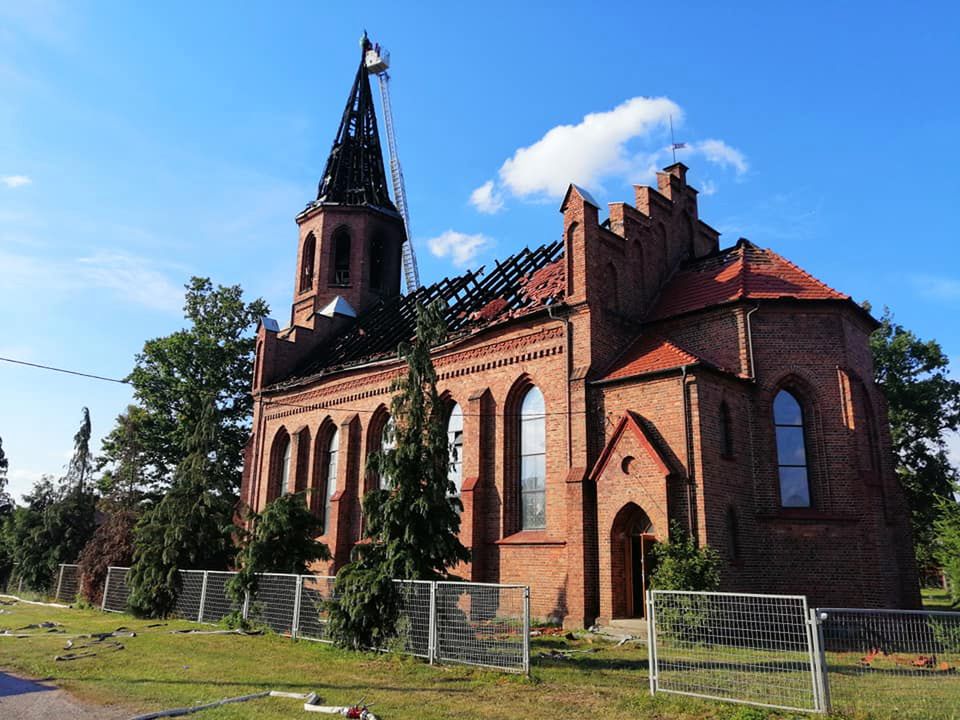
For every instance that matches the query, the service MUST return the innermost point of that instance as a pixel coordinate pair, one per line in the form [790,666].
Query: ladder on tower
[377,61]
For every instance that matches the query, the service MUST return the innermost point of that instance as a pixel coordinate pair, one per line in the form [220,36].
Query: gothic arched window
[307,259]
[791,451]
[533,461]
[388,442]
[455,441]
[341,257]
[333,449]
[280,466]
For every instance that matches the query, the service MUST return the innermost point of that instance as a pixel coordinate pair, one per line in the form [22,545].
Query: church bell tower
[351,237]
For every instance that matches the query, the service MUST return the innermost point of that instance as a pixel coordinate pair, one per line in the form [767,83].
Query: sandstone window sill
[531,537]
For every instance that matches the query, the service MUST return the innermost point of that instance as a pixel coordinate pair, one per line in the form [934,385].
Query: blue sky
[141,144]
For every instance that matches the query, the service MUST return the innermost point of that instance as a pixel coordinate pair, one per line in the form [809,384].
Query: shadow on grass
[305,687]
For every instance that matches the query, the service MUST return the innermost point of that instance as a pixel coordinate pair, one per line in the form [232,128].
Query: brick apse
[631,374]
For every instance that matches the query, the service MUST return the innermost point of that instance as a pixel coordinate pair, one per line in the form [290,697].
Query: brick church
[631,374]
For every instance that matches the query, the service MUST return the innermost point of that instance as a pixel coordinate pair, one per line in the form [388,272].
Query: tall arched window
[333,448]
[376,263]
[726,431]
[341,257]
[307,258]
[733,534]
[455,441]
[282,464]
[388,442]
[791,451]
[688,234]
[533,461]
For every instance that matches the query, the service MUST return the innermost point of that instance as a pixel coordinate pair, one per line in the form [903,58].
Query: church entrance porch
[632,539]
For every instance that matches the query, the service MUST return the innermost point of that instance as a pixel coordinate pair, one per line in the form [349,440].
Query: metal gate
[744,648]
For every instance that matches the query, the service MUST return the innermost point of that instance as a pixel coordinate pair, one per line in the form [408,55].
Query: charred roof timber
[527,281]
[354,174]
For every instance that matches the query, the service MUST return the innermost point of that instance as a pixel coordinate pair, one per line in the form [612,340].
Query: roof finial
[674,145]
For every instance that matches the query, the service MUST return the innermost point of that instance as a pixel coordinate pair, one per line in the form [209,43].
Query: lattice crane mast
[377,61]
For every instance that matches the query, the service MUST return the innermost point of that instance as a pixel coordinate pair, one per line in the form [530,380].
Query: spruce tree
[411,528]
[189,528]
[281,540]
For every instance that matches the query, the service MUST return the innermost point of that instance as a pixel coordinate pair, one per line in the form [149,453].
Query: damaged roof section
[744,271]
[528,281]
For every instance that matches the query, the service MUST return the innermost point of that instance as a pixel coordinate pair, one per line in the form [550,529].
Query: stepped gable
[526,282]
[744,271]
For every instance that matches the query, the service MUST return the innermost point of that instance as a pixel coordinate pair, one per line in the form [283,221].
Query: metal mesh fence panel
[413,625]
[217,602]
[274,602]
[907,662]
[315,590]
[754,649]
[485,625]
[115,590]
[68,583]
[188,601]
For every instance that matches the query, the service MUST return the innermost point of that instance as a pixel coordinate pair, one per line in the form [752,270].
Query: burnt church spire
[354,174]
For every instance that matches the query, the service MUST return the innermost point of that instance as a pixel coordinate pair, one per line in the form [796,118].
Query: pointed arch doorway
[632,537]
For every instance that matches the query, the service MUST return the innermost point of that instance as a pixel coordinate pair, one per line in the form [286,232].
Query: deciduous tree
[924,405]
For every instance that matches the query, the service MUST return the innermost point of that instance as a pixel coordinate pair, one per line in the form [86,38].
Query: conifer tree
[281,539]
[189,528]
[411,528]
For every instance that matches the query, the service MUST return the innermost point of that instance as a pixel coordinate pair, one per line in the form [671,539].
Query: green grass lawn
[158,670]
[937,599]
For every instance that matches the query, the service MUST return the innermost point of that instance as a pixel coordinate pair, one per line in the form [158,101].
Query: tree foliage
[924,405]
[110,544]
[947,550]
[213,357]
[51,528]
[411,528]
[126,480]
[189,528]
[281,540]
[6,502]
[680,565]
[81,463]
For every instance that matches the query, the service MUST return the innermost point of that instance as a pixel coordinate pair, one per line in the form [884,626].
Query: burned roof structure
[528,281]
[354,173]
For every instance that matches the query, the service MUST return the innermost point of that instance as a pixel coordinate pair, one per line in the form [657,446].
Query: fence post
[433,652]
[820,654]
[59,582]
[526,629]
[203,597]
[295,627]
[246,605]
[106,586]
[651,643]
[20,586]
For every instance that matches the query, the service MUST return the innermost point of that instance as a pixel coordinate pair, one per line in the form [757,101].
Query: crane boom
[411,273]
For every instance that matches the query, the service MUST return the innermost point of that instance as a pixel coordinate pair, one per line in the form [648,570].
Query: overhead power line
[64,370]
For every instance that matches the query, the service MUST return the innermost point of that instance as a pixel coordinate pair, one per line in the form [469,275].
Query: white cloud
[708,188]
[627,142]
[15,181]
[717,151]
[587,152]
[487,199]
[134,279]
[459,247]
[937,287]
[953,448]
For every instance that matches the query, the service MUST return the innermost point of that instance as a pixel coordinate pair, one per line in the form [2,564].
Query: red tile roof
[649,353]
[742,272]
